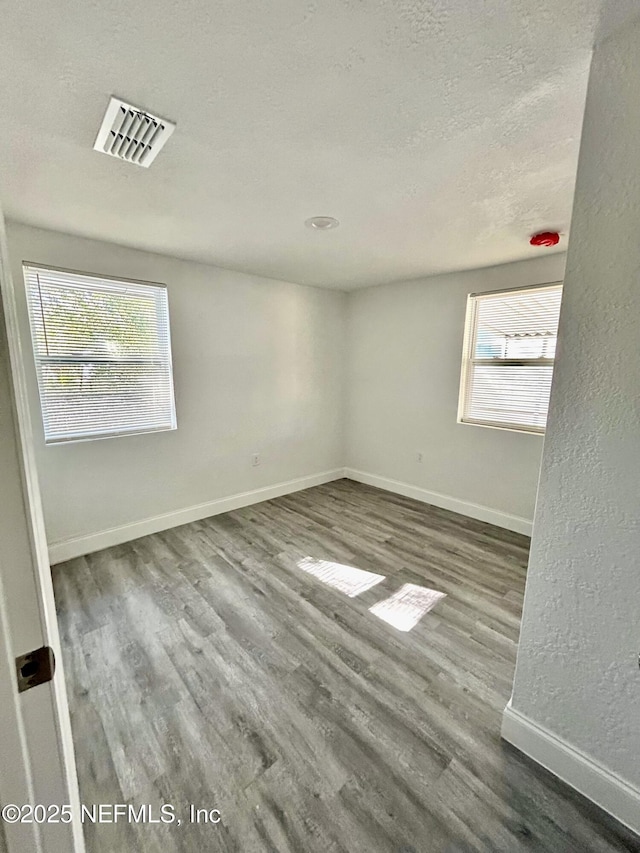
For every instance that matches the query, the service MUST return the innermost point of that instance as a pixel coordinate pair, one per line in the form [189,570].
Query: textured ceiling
[440,133]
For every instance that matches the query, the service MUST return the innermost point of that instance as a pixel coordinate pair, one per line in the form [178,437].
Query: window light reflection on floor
[347,579]
[406,607]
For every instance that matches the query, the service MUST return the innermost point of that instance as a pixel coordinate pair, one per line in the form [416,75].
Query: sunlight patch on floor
[406,607]
[347,579]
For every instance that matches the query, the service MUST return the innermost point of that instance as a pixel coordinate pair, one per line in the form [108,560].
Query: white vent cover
[132,134]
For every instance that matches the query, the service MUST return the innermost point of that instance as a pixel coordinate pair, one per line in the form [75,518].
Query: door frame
[37,745]
[17,787]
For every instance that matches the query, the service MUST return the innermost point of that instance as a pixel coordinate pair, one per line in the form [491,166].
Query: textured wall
[577,670]
[404,345]
[257,367]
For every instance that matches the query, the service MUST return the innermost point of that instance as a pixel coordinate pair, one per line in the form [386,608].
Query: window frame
[468,361]
[37,360]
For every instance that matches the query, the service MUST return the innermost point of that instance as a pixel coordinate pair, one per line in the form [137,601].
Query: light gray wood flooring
[224,664]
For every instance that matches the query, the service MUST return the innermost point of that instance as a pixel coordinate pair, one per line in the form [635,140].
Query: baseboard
[587,776]
[477,511]
[67,549]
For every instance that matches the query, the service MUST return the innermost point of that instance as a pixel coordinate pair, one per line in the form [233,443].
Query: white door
[37,761]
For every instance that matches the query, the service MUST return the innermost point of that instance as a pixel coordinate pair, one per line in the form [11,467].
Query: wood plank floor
[223,663]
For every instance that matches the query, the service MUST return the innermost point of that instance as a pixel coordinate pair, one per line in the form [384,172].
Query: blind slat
[508,360]
[102,352]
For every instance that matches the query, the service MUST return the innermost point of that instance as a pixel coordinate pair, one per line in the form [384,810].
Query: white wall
[404,358]
[257,368]
[577,676]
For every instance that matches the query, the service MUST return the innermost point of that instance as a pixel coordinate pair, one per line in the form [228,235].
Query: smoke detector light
[545,238]
[322,223]
[132,134]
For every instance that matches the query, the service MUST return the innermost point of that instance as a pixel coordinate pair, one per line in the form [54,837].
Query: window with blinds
[509,352]
[102,352]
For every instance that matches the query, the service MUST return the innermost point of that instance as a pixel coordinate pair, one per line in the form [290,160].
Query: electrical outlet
[255,459]
[419,456]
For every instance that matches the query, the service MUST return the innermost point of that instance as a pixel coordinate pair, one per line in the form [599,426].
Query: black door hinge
[36,667]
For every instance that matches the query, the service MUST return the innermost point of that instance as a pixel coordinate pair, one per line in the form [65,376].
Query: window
[509,351]
[102,353]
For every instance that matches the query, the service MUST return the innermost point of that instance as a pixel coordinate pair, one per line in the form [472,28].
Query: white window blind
[509,352]
[102,353]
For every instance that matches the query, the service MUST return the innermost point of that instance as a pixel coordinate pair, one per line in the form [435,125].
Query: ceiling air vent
[132,134]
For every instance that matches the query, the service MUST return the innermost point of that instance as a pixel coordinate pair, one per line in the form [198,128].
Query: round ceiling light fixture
[322,223]
[545,238]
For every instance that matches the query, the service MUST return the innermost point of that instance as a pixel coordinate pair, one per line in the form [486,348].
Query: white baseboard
[477,511]
[587,776]
[67,549]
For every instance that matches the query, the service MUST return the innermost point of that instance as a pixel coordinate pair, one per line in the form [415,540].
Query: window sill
[503,427]
[81,439]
